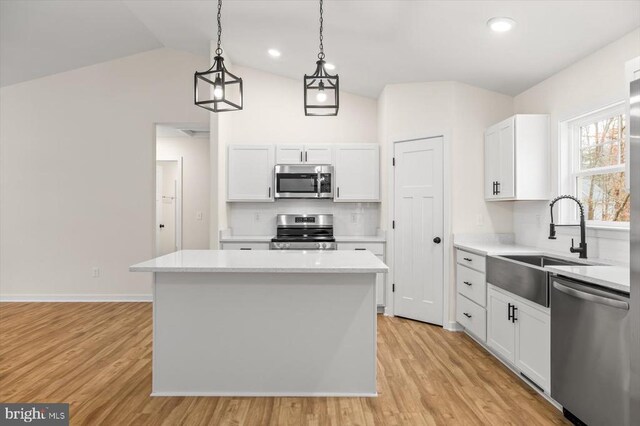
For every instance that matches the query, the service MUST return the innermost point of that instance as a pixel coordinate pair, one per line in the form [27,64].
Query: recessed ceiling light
[329,66]
[275,53]
[501,24]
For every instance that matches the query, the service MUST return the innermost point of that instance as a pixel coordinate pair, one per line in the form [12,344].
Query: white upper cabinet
[304,154]
[250,173]
[289,154]
[318,154]
[357,173]
[517,158]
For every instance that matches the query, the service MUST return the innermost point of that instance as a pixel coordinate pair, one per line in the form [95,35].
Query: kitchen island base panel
[264,334]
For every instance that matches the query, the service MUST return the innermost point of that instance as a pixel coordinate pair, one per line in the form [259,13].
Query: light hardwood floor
[97,357]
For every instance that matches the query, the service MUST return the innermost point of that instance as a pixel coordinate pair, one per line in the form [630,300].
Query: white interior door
[418,215]
[168,206]
[158,206]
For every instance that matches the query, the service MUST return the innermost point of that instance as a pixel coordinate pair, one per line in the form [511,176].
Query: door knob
[161,225]
[437,240]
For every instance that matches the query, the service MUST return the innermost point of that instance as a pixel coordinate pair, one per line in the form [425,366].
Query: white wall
[195,185]
[461,112]
[77,151]
[594,82]
[273,114]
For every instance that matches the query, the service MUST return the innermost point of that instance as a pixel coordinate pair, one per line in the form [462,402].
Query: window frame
[570,162]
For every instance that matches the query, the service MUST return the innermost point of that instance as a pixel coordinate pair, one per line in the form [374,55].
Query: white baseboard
[76,298]
[453,326]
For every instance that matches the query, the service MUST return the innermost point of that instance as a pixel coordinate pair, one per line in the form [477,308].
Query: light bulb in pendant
[321,96]
[218,92]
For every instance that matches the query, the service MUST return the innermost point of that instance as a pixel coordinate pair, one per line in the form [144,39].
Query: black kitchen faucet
[582,247]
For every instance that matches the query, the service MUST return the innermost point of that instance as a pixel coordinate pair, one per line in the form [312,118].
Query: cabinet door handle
[468,259]
[497,188]
[509,314]
[494,187]
[301,156]
[306,156]
[467,283]
[513,316]
[466,315]
[269,192]
[338,192]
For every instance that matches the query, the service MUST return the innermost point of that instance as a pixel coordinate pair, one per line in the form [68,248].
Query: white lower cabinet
[533,345]
[378,250]
[519,331]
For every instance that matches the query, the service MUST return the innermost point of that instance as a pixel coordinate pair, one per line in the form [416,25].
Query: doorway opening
[182,185]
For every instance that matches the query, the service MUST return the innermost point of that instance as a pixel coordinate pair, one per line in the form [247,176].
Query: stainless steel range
[304,232]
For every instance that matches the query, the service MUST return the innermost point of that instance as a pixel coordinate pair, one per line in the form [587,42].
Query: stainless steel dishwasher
[590,352]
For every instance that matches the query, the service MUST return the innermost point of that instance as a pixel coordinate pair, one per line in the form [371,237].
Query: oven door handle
[590,297]
[319,183]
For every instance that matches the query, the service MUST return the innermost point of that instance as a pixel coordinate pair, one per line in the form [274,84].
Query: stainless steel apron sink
[524,275]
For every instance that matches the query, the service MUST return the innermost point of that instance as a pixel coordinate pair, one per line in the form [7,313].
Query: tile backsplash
[260,218]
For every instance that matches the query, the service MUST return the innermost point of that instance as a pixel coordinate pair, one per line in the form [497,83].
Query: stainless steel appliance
[303,181]
[304,232]
[635,250]
[524,275]
[590,357]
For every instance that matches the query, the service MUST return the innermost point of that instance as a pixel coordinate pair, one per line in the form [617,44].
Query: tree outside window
[598,174]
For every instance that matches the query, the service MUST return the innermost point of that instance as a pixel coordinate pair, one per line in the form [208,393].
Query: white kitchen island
[264,323]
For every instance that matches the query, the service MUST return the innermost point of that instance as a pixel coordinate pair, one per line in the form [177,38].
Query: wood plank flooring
[97,357]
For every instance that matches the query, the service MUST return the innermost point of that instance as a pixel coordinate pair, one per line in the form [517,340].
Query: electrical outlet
[198,215]
[95,272]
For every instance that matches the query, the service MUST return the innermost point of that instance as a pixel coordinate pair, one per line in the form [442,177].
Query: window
[595,166]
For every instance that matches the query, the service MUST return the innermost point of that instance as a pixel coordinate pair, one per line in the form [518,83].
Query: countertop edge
[263,270]
[612,285]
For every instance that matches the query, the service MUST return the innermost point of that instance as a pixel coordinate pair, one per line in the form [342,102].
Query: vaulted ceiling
[372,43]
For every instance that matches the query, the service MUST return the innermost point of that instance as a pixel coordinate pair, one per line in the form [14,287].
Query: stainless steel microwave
[303,181]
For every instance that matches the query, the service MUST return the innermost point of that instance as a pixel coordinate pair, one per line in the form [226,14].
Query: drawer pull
[466,315]
[361,249]
[468,259]
[245,248]
[467,283]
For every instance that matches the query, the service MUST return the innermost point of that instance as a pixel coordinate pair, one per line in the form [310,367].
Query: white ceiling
[371,42]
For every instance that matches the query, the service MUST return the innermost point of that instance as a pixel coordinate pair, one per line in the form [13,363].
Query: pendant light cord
[219,49]
[321,54]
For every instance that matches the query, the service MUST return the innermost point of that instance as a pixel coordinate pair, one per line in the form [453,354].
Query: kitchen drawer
[375,248]
[471,284]
[471,260]
[245,246]
[472,317]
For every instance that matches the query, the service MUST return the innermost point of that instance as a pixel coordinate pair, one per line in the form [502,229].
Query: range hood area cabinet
[356,177]
[516,159]
[304,154]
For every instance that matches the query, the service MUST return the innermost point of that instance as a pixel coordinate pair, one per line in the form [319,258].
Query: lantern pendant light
[217,89]
[321,91]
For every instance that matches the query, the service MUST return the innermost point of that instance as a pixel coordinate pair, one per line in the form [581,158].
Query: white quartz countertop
[339,238]
[494,248]
[274,261]
[613,277]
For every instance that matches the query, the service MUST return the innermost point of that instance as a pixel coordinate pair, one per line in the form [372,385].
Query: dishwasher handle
[615,303]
